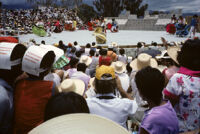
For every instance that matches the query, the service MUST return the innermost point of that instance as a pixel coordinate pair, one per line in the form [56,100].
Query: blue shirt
[6,107]
[193,22]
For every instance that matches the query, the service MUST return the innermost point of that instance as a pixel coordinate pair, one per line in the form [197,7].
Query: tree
[109,8]
[135,7]
[86,12]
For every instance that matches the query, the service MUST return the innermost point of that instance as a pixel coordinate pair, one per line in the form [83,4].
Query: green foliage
[112,8]
[109,8]
[86,12]
[135,7]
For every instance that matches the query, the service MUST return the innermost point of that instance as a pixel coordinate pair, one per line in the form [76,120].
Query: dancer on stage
[114,26]
[193,26]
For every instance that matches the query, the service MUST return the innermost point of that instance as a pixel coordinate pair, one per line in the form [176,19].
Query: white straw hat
[79,124]
[86,59]
[119,67]
[114,44]
[75,85]
[173,52]
[142,61]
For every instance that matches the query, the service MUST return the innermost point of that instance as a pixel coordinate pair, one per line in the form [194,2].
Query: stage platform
[124,38]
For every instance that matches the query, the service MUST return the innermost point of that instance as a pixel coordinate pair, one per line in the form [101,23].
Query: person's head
[154,44]
[150,83]
[189,56]
[195,16]
[47,62]
[65,103]
[73,62]
[92,52]
[105,80]
[103,52]
[113,19]
[78,54]
[121,51]
[60,42]
[75,43]
[139,45]
[81,67]
[17,54]
[88,45]
[93,44]
[73,50]
[43,42]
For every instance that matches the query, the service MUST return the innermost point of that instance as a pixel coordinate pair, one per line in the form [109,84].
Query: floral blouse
[186,86]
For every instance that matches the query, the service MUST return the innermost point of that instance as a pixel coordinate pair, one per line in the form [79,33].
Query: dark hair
[121,51]
[189,56]
[10,75]
[65,103]
[103,52]
[154,43]
[88,45]
[128,68]
[105,86]
[75,43]
[93,43]
[73,62]
[43,42]
[92,52]
[73,50]
[110,49]
[78,54]
[195,16]
[47,62]
[139,45]
[81,67]
[150,83]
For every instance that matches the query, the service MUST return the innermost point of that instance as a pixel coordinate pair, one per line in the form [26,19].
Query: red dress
[30,99]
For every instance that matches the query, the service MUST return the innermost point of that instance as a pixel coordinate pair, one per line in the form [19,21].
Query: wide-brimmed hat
[173,52]
[142,61]
[119,67]
[86,59]
[74,85]
[79,124]
[6,50]
[164,55]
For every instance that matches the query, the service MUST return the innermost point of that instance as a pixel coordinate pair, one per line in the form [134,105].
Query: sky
[186,5]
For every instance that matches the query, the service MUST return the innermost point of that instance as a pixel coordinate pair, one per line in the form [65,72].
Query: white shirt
[116,109]
[53,77]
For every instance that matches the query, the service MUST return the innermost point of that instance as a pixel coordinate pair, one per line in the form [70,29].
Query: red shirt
[30,99]
[105,61]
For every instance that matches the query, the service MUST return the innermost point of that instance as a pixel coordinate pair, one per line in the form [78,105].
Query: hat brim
[119,71]
[135,66]
[173,53]
[79,87]
[89,61]
[79,123]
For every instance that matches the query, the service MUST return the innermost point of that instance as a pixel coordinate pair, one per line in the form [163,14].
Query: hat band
[16,62]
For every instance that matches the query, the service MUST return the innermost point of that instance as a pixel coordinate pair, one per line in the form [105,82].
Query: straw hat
[173,52]
[114,44]
[119,67]
[164,55]
[79,124]
[86,59]
[142,61]
[74,85]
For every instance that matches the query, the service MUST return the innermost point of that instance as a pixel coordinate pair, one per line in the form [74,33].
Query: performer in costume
[193,26]
[114,26]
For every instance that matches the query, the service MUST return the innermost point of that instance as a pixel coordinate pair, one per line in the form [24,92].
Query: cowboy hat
[173,52]
[74,85]
[79,123]
[86,59]
[142,61]
[119,67]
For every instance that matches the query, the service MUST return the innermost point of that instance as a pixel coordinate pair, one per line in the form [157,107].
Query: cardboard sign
[58,52]
[32,59]
[5,53]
